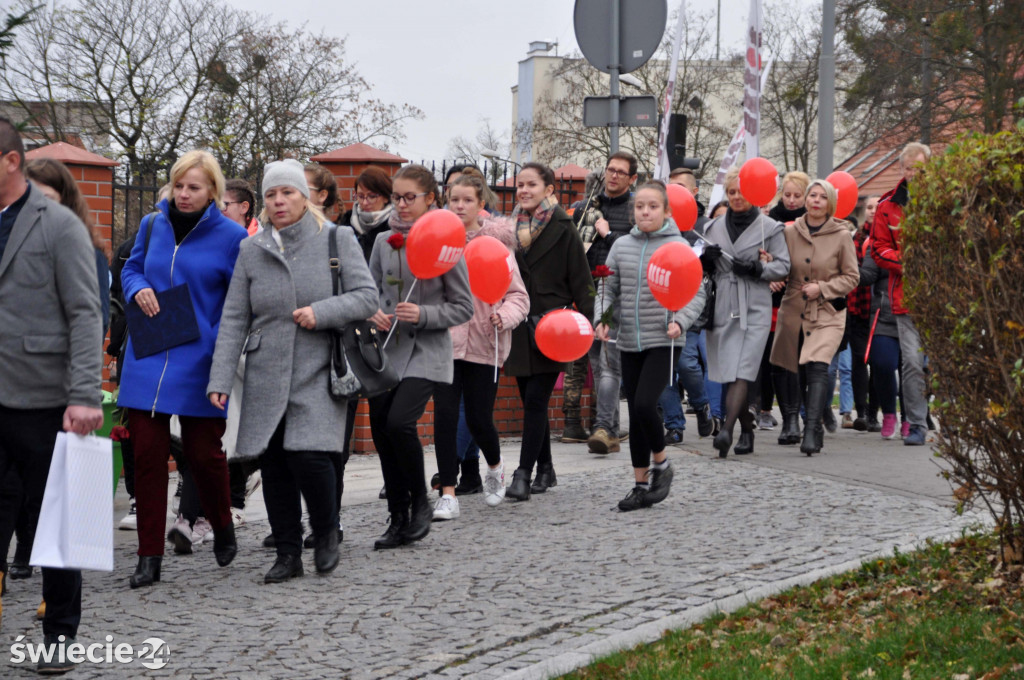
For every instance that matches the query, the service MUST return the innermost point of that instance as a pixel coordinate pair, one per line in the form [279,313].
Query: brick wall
[345,174]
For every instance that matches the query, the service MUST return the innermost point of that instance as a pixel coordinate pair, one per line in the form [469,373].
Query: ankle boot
[519,489]
[470,481]
[147,571]
[392,538]
[787,389]
[545,478]
[285,567]
[420,517]
[723,442]
[224,545]
[325,552]
[745,444]
[817,392]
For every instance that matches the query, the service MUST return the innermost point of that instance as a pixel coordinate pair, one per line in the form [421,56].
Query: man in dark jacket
[685,178]
[886,249]
[51,329]
[616,207]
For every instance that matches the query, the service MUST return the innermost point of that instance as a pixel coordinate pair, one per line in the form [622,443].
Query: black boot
[519,489]
[787,389]
[286,567]
[745,444]
[545,478]
[817,393]
[224,545]
[325,552]
[392,538]
[469,481]
[419,520]
[147,572]
[723,442]
[573,431]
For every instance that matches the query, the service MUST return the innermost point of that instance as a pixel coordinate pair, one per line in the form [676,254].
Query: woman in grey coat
[749,252]
[647,332]
[420,350]
[278,305]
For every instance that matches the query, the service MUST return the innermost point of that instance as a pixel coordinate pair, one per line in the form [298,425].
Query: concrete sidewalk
[523,590]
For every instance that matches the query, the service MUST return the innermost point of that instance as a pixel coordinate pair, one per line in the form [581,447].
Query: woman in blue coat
[191,243]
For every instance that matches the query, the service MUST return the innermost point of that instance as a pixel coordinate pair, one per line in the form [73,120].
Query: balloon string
[395,324]
[671,353]
[495,354]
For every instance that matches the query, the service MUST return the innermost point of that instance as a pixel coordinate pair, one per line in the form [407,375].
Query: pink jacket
[473,341]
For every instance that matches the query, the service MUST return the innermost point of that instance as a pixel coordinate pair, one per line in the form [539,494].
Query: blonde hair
[205,161]
[732,175]
[831,195]
[801,179]
[317,213]
[914,149]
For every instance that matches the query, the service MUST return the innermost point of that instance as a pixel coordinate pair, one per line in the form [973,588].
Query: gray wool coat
[743,306]
[286,366]
[424,349]
[643,322]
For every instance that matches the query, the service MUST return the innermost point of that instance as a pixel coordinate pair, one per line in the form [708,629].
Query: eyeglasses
[369,197]
[407,198]
[615,172]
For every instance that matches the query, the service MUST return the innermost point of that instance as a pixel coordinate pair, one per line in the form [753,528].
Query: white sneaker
[494,485]
[447,508]
[129,522]
[180,536]
[237,516]
[201,532]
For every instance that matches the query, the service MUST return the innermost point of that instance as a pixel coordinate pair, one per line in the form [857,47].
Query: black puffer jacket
[619,213]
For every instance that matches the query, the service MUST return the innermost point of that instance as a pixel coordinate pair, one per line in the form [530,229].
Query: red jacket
[886,239]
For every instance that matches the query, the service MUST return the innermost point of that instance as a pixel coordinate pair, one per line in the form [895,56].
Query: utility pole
[827,88]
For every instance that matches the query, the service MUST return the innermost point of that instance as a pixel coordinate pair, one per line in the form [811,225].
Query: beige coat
[830,259]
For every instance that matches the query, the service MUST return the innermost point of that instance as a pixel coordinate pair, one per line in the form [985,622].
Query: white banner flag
[662,167]
[752,80]
[718,192]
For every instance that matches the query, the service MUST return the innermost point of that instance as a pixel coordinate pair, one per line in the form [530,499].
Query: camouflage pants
[575,378]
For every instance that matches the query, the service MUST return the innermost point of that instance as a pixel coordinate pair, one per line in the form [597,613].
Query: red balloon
[683,206]
[847,189]
[674,275]
[435,244]
[759,181]
[490,266]
[564,335]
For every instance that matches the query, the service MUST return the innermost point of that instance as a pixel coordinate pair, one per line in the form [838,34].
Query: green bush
[963,267]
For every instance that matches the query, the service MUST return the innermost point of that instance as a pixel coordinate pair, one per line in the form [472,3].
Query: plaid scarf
[528,227]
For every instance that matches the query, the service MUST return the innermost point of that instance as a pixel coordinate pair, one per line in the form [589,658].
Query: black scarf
[183,222]
[780,213]
[737,223]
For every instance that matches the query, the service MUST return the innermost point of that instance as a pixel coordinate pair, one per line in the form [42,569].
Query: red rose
[396,241]
[119,433]
[601,271]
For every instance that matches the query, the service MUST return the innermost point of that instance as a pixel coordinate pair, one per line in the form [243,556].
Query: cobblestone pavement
[499,590]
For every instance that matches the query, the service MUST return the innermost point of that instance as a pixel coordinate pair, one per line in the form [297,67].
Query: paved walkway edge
[652,631]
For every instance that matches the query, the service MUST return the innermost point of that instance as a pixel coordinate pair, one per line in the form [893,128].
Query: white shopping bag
[76,520]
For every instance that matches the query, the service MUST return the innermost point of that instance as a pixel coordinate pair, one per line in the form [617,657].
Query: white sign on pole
[752,80]
[661,168]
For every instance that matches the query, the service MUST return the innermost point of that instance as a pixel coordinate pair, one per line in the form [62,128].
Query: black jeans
[535,392]
[858,330]
[27,437]
[393,417]
[286,474]
[475,384]
[644,377]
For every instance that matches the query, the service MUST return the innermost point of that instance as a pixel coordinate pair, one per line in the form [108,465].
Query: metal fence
[134,197]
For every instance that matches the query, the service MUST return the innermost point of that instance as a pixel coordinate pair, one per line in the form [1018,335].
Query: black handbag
[359,366]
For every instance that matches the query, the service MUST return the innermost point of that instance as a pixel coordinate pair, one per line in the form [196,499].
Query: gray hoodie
[643,321]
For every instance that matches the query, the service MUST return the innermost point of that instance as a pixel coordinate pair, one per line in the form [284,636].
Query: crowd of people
[791,296]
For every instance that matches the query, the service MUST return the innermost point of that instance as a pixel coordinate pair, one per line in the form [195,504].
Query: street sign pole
[613,73]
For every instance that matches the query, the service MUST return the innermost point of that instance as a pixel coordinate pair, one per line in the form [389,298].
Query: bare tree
[10,23]
[164,75]
[934,68]
[487,138]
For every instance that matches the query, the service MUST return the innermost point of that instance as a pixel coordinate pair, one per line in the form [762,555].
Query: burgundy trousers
[200,439]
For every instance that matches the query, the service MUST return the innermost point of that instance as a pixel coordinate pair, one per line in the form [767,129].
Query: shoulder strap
[149,233]
[332,250]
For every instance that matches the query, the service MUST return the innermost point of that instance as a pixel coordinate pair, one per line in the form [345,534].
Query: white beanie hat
[288,172]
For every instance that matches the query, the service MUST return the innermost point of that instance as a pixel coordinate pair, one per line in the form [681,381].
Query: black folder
[174,325]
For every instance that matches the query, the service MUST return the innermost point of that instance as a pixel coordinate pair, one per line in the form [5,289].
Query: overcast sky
[454,59]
